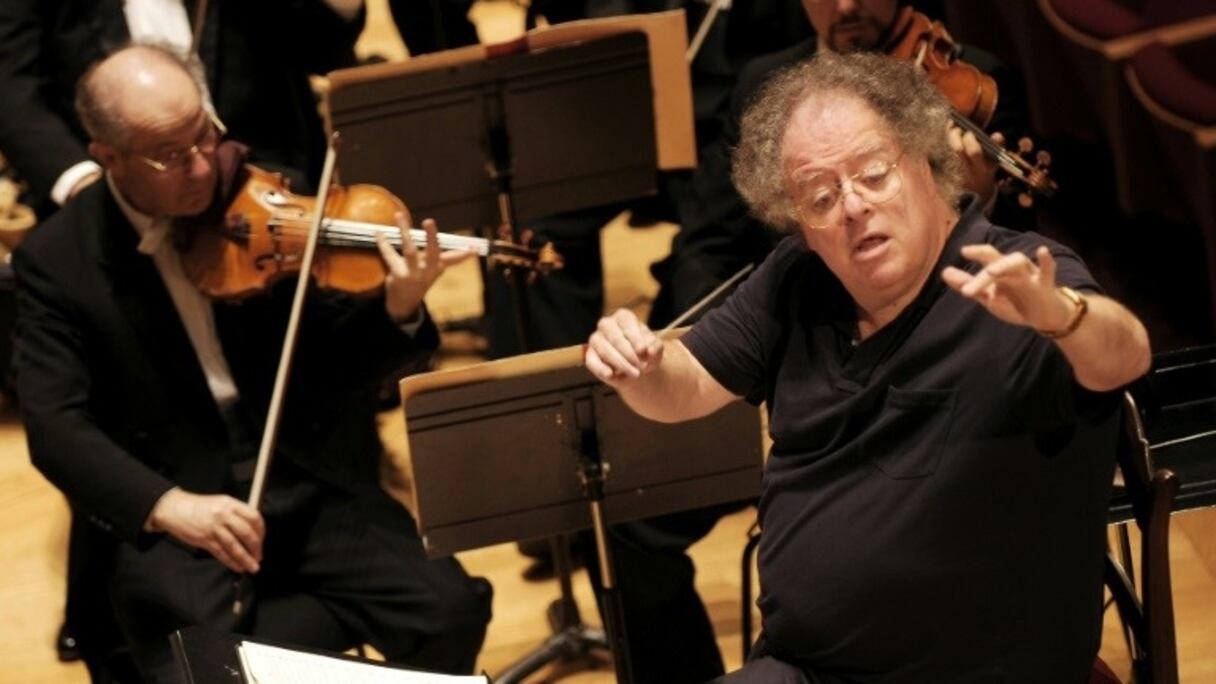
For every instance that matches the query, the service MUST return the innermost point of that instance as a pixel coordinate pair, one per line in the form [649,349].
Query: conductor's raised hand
[227,528]
[1013,287]
[410,272]
[622,348]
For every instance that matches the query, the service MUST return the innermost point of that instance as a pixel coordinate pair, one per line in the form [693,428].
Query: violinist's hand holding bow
[229,529]
[411,273]
[1014,288]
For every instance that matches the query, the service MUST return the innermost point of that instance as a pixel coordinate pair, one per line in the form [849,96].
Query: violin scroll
[507,254]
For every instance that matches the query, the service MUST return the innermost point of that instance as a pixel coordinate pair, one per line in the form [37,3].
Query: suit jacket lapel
[140,295]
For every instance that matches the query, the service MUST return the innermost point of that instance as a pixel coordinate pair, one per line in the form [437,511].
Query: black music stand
[550,131]
[535,446]
[519,136]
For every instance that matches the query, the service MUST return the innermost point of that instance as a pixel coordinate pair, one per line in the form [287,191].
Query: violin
[264,229]
[973,96]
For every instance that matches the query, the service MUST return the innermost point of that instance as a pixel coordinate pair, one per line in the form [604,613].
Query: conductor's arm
[660,380]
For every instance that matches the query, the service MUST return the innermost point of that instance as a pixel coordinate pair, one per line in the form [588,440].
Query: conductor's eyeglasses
[820,197]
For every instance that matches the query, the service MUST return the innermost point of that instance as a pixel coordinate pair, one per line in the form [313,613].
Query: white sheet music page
[264,664]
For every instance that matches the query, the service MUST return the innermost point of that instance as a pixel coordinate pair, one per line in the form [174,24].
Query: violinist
[143,402]
[942,395]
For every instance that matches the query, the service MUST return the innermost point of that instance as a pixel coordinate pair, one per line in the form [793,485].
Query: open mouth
[870,246]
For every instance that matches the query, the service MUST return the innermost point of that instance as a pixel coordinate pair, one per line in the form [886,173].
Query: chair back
[1168,462]
[1147,613]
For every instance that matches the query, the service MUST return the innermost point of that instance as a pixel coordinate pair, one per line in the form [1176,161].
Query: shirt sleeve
[1039,372]
[734,342]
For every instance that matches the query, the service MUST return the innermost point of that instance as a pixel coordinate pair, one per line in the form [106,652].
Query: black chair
[1168,464]
[749,561]
[1177,402]
[1146,494]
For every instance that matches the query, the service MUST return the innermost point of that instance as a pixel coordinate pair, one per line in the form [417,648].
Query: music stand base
[570,643]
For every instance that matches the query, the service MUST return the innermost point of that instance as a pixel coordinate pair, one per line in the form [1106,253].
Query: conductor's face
[847,25]
[871,211]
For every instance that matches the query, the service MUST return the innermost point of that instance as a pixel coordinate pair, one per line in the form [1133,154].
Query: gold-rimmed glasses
[179,161]
[820,197]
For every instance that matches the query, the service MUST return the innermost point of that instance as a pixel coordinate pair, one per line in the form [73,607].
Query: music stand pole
[571,637]
[592,475]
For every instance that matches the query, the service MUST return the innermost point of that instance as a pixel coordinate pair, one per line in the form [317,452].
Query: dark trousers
[337,571]
[670,637]
[766,670]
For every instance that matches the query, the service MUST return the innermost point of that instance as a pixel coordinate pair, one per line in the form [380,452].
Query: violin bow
[707,22]
[274,413]
[270,432]
[707,299]
[200,18]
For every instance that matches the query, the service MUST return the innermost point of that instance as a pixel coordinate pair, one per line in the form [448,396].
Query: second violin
[972,94]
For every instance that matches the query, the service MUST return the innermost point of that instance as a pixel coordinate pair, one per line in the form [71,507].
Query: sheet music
[264,664]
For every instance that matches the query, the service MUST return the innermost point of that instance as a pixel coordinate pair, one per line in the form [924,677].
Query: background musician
[255,60]
[143,402]
[939,392]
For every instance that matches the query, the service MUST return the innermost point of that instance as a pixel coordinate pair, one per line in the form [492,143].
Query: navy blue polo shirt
[933,507]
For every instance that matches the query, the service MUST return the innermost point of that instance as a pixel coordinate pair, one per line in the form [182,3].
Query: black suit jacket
[116,406]
[257,54]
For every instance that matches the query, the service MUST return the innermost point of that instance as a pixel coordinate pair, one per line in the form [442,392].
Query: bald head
[144,111]
[137,86]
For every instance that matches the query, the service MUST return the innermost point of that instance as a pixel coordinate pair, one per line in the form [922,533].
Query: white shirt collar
[152,230]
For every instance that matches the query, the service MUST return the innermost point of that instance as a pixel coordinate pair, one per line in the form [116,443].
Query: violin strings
[343,233]
[1000,154]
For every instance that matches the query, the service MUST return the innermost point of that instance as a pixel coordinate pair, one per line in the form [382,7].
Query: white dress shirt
[192,306]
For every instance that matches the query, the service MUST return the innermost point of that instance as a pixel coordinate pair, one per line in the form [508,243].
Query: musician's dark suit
[117,410]
[257,54]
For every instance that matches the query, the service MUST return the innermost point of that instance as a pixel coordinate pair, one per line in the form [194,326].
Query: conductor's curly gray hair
[899,93]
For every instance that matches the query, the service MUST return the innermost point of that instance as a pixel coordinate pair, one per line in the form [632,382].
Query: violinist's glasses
[879,181]
[179,161]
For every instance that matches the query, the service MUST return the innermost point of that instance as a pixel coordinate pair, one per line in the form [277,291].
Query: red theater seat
[1176,89]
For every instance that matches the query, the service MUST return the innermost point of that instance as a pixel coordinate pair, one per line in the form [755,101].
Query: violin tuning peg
[1025,145]
[504,232]
[1043,158]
